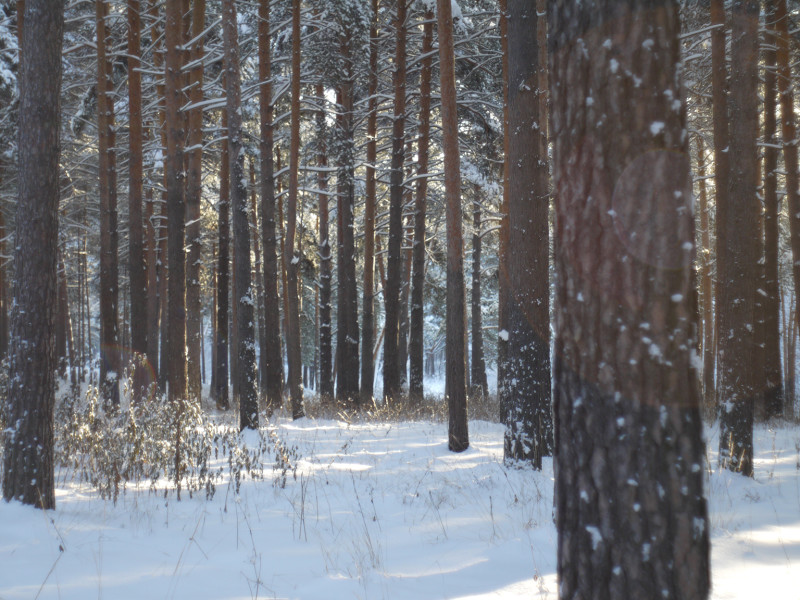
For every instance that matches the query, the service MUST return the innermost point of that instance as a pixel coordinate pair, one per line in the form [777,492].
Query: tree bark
[738,377]
[271,365]
[370,201]
[325,330]
[455,376]
[394,261]
[707,318]
[527,394]
[291,259]
[194,189]
[502,259]
[109,264]
[480,385]
[417,318]
[630,511]
[28,456]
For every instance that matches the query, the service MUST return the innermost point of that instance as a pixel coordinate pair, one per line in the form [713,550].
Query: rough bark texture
[416,351]
[394,261]
[194,189]
[630,511]
[773,391]
[176,209]
[738,278]
[347,389]
[526,392]
[291,259]
[455,370]
[28,456]
[370,200]
[109,264]
[271,365]
[137,267]
[247,399]
[325,257]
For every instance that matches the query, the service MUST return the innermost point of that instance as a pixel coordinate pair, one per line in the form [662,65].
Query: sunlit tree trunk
[455,370]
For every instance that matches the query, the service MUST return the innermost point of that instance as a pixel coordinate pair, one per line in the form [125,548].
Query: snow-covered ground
[376,511]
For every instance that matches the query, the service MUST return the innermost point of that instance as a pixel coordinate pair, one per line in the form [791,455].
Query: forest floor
[373,510]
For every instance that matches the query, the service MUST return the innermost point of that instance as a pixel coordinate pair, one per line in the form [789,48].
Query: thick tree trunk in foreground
[631,515]
[526,393]
[455,374]
[28,456]
[738,377]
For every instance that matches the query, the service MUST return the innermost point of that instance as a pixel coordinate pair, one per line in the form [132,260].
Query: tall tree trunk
[242,289]
[527,395]
[455,376]
[719,85]
[223,273]
[259,278]
[291,259]
[738,377]
[28,457]
[370,202]
[773,392]
[325,331]
[416,326]
[480,385]
[194,188]
[153,305]
[394,262]
[176,206]
[347,331]
[137,267]
[631,515]
[272,363]
[109,265]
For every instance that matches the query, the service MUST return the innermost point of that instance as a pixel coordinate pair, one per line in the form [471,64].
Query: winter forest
[399,299]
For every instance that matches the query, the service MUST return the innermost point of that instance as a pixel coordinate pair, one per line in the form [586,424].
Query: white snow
[377,511]
[657,127]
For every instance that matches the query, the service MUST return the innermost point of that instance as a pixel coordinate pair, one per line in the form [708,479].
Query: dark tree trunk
[719,84]
[176,205]
[480,385]
[137,267]
[370,201]
[271,364]
[526,393]
[194,189]
[455,376]
[707,290]
[109,264]
[291,258]
[630,511]
[258,275]
[394,261]
[153,305]
[223,274]
[325,331]
[417,317]
[28,457]
[242,290]
[738,279]
[502,259]
[773,392]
